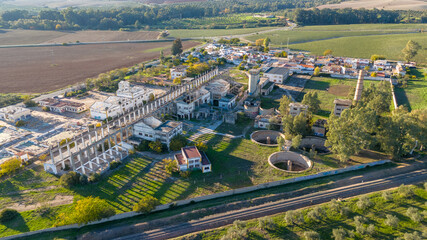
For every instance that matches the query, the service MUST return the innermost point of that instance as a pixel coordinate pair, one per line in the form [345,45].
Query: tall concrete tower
[253,81]
[359,86]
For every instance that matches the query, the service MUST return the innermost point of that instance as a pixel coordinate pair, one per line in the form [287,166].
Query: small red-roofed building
[191,158]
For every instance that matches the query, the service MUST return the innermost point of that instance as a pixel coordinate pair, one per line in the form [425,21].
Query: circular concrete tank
[291,162]
[266,137]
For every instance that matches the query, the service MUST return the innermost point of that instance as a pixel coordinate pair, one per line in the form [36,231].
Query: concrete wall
[210,197]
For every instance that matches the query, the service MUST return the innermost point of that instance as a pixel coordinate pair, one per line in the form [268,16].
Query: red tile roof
[191,152]
[180,158]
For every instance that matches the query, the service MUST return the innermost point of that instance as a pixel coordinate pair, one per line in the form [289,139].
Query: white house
[178,71]
[152,129]
[277,74]
[191,158]
[13,114]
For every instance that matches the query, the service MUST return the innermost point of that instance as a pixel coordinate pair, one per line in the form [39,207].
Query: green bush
[20,123]
[94,177]
[115,164]
[178,142]
[70,179]
[146,204]
[143,146]
[8,214]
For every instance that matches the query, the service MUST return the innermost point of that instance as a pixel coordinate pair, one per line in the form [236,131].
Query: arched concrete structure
[291,162]
[266,137]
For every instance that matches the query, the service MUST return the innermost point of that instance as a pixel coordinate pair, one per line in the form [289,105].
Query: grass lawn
[239,76]
[188,33]
[414,96]
[364,46]
[331,218]
[330,88]
[236,163]
[234,129]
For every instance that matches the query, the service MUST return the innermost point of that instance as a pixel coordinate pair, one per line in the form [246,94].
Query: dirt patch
[43,69]
[339,90]
[102,36]
[380,4]
[57,201]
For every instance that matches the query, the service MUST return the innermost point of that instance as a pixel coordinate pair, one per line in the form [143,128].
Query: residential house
[14,114]
[277,74]
[191,158]
[341,105]
[152,129]
[297,108]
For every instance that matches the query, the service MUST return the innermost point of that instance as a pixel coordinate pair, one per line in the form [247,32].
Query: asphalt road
[219,220]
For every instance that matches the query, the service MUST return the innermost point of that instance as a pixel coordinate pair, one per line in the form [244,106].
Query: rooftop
[191,152]
[168,126]
[344,102]
[277,70]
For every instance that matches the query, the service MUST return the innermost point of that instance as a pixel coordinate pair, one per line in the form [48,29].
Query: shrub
[146,204]
[87,210]
[233,233]
[43,210]
[202,146]
[412,236]
[94,177]
[425,186]
[69,179]
[185,174]
[178,142]
[387,196]
[364,203]
[10,166]
[339,233]
[115,164]
[294,217]
[143,146]
[405,191]
[8,214]
[20,123]
[315,214]
[239,224]
[265,223]
[170,165]
[345,211]
[311,235]
[414,214]
[30,103]
[46,109]
[156,146]
[391,221]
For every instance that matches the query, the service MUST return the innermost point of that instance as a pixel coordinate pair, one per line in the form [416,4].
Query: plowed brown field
[42,69]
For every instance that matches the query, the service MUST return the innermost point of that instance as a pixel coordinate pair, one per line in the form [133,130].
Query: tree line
[141,16]
[346,16]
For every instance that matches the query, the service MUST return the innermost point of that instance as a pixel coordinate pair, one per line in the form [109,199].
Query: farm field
[236,163]
[187,33]
[42,69]
[21,37]
[330,88]
[365,46]
[329,216]
[380,4]
[414,96]
[323,32]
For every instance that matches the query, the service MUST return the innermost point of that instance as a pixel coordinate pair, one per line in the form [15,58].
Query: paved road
[219,220]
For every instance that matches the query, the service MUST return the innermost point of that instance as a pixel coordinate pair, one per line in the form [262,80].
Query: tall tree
[411,50]
[266,42]
[284,105]
[312,100]
[177,46]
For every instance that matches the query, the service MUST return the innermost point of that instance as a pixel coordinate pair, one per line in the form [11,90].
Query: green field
[200,33]
[414,96]
[365,46]
[336,215]
[330,88]
[358,40]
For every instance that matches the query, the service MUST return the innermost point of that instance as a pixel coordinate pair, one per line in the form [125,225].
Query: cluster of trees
[72,179]
[369,126]
[141,16]
[359,224]
[9,99]
[10,166]
[328,16]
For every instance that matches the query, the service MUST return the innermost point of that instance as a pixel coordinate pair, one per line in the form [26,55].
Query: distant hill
[381,4]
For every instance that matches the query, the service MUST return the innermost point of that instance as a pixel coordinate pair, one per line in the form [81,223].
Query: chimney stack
[359,86]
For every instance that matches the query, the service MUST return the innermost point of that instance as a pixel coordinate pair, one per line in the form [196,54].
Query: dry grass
[381,4]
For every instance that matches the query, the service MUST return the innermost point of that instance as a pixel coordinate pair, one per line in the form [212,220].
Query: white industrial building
[277,74]
[187,104]
[13,113]
[153,129]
